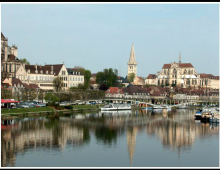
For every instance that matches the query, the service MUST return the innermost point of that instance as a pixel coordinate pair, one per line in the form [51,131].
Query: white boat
[157,107]
[182,107]
[166,107]
[116,107]
[116,112]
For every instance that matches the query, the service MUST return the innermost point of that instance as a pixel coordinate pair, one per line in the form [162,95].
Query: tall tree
[87,76]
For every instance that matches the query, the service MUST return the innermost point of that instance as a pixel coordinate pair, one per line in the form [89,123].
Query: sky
[99,36]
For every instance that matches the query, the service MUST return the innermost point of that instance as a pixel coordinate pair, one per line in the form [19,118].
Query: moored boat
[166,107]
[182,106]
[116,107]
[198,114]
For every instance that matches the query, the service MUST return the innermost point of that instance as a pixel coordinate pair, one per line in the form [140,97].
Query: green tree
[51,98]
[107,77]
[24,61]
[131,77]
[87,76]
[80,69]
[57,83]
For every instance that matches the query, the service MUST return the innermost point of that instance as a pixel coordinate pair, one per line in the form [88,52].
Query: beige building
[208,81]
[179,74]
[151,79]
[75,77]
[43,76]
[138,81]
[132,64]
[9,61]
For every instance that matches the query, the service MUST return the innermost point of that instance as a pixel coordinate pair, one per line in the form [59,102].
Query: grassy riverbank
[40,111]
[26,110]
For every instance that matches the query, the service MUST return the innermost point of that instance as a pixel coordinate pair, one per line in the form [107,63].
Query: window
[70,78]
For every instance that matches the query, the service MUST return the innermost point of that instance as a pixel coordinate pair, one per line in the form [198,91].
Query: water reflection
[176,130]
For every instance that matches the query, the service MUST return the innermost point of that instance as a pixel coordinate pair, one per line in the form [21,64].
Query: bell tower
[132,64]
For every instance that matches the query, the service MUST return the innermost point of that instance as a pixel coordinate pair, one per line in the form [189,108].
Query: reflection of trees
[106,135]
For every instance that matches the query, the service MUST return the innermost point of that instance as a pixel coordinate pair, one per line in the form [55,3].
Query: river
[111,139]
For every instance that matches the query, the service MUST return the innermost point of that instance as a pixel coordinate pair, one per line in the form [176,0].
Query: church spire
[132,59]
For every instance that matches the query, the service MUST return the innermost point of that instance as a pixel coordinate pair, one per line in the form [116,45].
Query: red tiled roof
[114,90]
[214,77]
[151,76]
[56,67]
[16,81]
[11,57]
[203,75]
[31,86]
[180,65]
[39,68]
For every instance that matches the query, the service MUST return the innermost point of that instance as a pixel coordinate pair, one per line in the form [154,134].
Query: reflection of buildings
[179,134]
[37,134]
[131,141]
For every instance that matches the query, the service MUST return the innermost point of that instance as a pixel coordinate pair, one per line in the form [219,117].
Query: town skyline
[96,42]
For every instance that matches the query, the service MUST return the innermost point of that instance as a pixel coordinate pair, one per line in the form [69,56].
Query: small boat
[166,107]
[182,107]
[157,107]
[214,118]
[198,114]
[116,107]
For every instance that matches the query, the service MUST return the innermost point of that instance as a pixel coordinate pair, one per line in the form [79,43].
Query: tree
[80,69]
[57,83]
[87,76]
[131,77]
[103,87]
[24,61]
[107,77]
[52,98]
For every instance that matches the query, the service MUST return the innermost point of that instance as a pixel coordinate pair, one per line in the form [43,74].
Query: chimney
[35,66]
[14,50]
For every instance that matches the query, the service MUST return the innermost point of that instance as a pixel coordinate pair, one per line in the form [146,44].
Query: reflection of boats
[116,107]
[116,112]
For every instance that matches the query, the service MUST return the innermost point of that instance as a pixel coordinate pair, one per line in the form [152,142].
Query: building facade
[9,61]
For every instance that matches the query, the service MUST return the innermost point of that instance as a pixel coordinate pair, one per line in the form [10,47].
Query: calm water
[111,139]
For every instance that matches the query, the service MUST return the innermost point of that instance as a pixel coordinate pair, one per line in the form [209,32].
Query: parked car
[41,105]
[80,102]
[87,103]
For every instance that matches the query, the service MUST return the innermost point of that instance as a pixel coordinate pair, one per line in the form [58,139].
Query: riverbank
[42,111]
